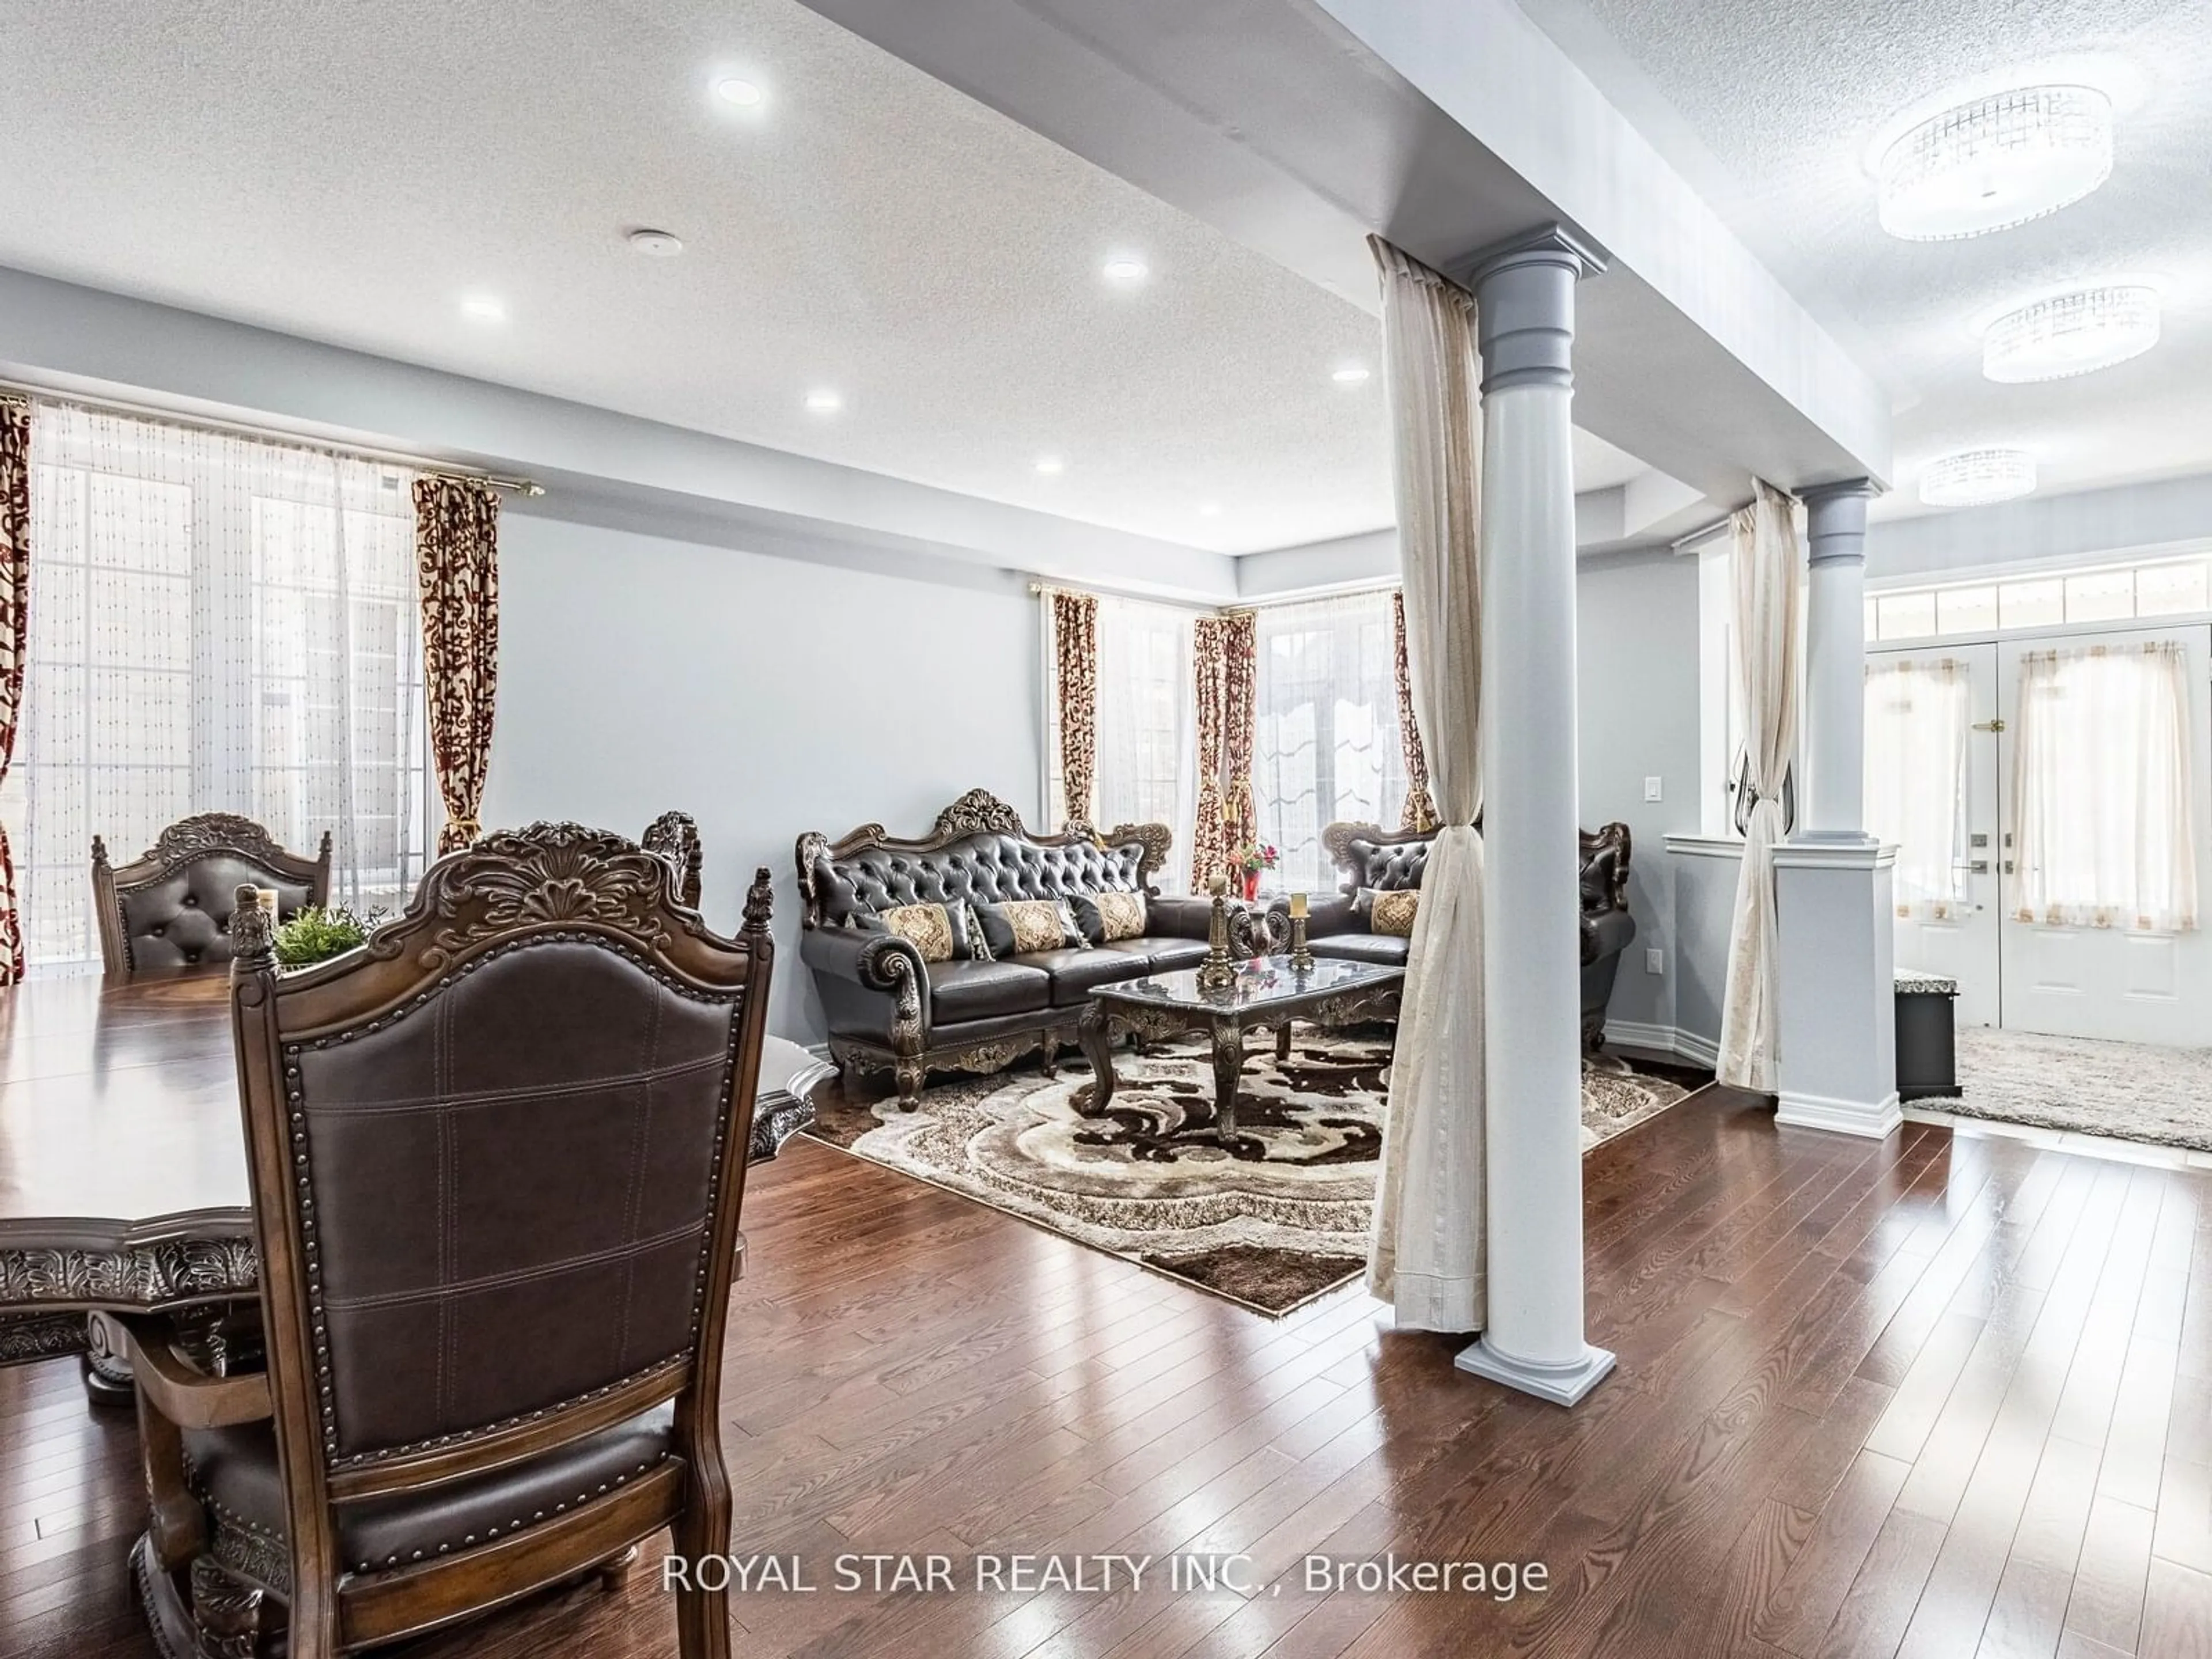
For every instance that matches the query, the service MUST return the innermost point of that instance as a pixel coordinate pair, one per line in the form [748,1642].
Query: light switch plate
[1655,959]
[1651,790]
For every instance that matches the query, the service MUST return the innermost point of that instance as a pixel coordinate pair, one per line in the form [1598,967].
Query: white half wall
[764,696]
[1636,687]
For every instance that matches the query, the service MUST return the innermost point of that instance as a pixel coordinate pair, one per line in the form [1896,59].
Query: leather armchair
[1370,857]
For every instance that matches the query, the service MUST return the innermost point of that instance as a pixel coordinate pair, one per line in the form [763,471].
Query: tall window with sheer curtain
[2105,796]
[1916,781]
[1328,745]
[216,623]
[1144,768]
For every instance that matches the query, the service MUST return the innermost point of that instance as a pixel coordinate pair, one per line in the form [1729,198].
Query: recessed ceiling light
[1051,465]
[735,90]
[822,401]
[1126,271]
[1350,374]
[1209,509]
[2075,333]
[483,308]
[656,243]
[1977,477]
[1994,162]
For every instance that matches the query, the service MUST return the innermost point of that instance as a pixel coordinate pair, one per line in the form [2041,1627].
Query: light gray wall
[764,696]
[2081,525]
[1637,687]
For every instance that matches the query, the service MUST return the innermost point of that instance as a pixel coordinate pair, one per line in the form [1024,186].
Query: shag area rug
[1271,1222]
[2128,1091]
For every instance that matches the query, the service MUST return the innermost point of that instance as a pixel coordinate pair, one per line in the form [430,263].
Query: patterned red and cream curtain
[14,634]
[1209,843]
[1075,668]
[1420,809]
[456,566]
[1222,671]
[1240,820]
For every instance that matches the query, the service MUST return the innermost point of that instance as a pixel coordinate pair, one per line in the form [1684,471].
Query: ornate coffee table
[1268,993]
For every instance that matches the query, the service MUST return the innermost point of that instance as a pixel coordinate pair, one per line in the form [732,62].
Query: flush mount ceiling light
[1126,271]
[656,243]
[1051,465]
[735,90]
[822,401]
[483,308]
[1350,374]
[1977,477]
[1997,161]
[2075,333]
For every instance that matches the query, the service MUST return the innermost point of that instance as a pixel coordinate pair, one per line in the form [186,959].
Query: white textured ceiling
[348,173]
[1770,106]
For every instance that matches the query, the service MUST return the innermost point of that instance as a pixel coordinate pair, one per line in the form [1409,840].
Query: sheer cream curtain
[1147,764]
[216,623]
[2105,798]
[1768,584]
[1427,1253]
[1915,774]
[1328,745]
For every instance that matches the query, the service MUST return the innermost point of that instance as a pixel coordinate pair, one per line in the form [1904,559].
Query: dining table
[123,1182]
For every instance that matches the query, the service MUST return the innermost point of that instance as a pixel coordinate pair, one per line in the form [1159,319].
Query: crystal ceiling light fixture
[2073,333]
[1977,477]
[1997,161]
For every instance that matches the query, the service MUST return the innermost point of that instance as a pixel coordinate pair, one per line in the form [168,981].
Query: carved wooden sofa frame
[884,963]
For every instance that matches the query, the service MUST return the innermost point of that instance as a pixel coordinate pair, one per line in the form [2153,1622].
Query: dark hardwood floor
[1932,1397]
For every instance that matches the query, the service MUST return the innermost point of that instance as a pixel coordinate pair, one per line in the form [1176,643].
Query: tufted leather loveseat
[888,1011]
[171,907]
[1389,860]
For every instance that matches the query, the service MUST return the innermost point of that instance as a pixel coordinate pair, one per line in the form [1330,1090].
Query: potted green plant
[320,931]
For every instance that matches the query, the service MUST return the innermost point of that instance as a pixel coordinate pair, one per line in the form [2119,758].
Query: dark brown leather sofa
[1388,860]
[888,1011]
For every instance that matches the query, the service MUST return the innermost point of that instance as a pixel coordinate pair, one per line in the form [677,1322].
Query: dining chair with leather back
[171,907]
[497,1156]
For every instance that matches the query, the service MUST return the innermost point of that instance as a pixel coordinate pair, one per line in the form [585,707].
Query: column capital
[1835,519]
[1524,292]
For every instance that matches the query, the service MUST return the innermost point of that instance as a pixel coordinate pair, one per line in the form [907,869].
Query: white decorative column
[1837,1033]
[1835,664]
[1532,961]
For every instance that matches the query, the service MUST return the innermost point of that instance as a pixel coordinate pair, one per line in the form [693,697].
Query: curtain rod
[16,394]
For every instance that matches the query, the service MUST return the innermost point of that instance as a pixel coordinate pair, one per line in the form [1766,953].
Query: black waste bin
[1927,1044]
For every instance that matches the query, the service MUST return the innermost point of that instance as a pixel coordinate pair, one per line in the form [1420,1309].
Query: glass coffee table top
[1262,983]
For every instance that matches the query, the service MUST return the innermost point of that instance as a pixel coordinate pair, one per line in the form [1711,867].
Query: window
[216,624]
[1916,796]
[2105,804]
[1145,769]
[2113,593]
[1326,746]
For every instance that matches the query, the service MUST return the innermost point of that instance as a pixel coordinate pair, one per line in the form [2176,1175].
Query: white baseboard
[1663,1040]
[1873,1119]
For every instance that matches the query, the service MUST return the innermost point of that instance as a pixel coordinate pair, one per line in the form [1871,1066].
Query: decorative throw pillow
[1107,915]
[968,922]
[1391,910]
[1020,927]
[927,927]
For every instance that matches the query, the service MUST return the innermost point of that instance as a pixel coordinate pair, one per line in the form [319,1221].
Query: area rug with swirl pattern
[1271,1221]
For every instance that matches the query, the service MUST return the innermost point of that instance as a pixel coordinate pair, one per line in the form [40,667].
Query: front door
[2088,966]
[1933,764]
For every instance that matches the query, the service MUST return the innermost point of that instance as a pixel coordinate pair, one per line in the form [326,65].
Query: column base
[1875,1120]
[1563,1385]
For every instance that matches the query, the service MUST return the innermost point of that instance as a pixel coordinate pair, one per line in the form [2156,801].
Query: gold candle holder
[1218,972]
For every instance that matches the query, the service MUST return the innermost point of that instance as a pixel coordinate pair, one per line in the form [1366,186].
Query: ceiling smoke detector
[656,243]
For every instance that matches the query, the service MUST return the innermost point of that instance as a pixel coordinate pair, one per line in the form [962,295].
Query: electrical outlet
[1651,789]
[1655,960]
